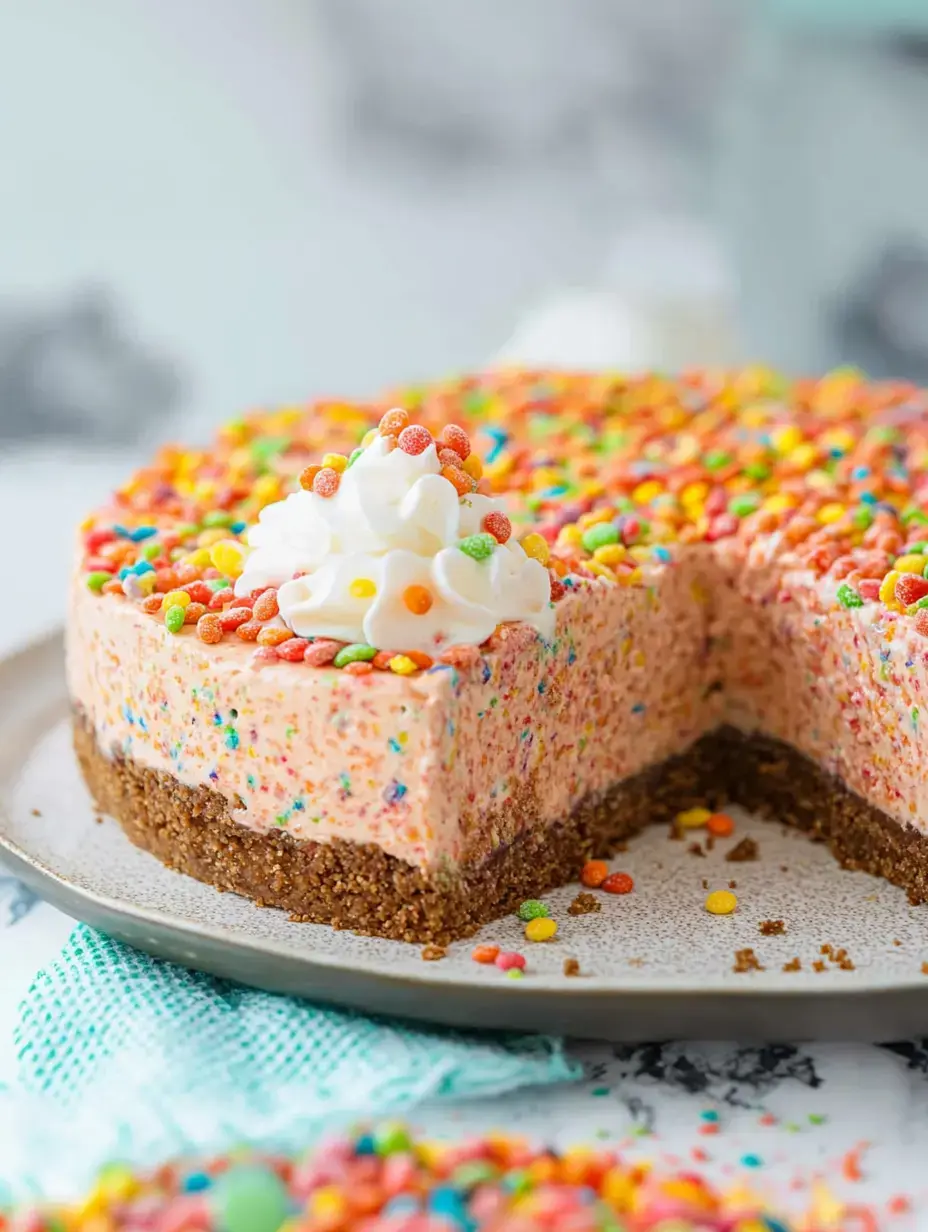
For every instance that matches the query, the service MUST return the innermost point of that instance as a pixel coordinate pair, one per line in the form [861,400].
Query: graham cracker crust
[359,887]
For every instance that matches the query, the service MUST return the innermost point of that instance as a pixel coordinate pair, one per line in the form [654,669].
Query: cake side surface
[444,655]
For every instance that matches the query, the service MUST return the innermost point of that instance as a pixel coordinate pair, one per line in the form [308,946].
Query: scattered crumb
[620,847]
[695,850]
[99,819]
[636,962]
[925,968]
[818,966]
[839,957]
[710,843]
[896,941]
[793,965]
[433,953]
[784,868]
[743,852]
[732,885]
[571,966]
[746,960]
[705,884]
[584,903]
[36,812]
[675,833]
[772,928]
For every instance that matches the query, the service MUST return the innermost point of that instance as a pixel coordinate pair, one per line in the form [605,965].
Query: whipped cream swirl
[395,523]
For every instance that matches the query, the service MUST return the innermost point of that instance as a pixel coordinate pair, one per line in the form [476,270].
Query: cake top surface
[529,485]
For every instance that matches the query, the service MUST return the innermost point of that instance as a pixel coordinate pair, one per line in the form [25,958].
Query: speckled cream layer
[414,764]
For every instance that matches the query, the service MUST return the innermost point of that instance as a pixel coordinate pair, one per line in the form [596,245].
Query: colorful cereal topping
[605,477]
[383,1179]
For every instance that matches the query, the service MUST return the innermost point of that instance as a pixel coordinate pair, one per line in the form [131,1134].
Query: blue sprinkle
[214,776]
[365,1145]
[542,685]
[661,553]
[439,667]
[486,672]
[638,708]
[751,1161]
[298,806]
[402,1204]
[121,531]
[395,746]
[237,527]
[123,573]
[144,566]
[571,657]
[141,533]
[394,791]
[195,1182]
[232,739]
[868,498]
[709,1115]
[217,719]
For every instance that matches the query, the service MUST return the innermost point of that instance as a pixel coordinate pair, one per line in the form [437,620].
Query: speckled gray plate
[654,963]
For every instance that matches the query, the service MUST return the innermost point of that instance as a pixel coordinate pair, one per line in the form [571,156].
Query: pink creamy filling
[424,766]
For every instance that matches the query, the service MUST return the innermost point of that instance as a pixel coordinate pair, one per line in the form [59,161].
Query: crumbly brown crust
[360,887]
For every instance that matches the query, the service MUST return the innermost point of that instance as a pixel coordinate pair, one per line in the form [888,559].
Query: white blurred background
[208,205]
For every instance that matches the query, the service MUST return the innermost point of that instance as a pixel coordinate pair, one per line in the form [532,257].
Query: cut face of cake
[401,688]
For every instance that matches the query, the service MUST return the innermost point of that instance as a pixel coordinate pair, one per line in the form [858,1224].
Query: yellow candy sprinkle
[200,558]
[912,562]
[694,493]
[368,437]
[473,466]
[402,665]
[362,588]
[541,929]
[228,557]
[786,438]
[175,598]
[640,552]
[587,520]
[212,534]
[266,489]
[780,502]
[536,546]
[610,553]
[721,902]
[337,461]
[832,512]
[328,1203]
[146,583]
[804,456]
[693,818]
[598,569]
[888,586]
[646,492]
[570,537]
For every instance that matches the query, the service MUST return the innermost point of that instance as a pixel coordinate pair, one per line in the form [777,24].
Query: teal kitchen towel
[140,1059]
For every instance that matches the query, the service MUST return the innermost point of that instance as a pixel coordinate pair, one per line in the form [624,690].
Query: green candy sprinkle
[217,517]
[249,1199]
[97,580]
[189,531]
[862,518]
[353,456]
[744,504]
[848,596]
[715,459]
[391,1138]
[532,909]
[174,618]
[151,550]
[478,547]
[758,471]
[358,652]
[599,536]
[514,973]
[219,583]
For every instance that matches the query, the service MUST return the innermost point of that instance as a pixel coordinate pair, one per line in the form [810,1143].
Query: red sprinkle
[618,883]
[359,667]
[869,588]
[415,439]
[558,589]
[721,825]
[293,649]
[507,959]
[265,654]
[910,588]
[95,539]
[199,592]
[457,439]
[921,620]
[320,653]
[326,482]
[447,457]
[497,525]
[234,617]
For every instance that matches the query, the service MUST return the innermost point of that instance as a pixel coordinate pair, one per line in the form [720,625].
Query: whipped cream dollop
[380,560]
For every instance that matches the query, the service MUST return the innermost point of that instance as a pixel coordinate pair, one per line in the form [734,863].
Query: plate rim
[68,896]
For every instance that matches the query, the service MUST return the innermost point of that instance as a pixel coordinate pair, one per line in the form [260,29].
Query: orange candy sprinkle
[594,873]
[326,481]
[418,599]
[462,483]
[307,477]
[485,953]
[457,439]
[271,636]
[249,631]
[720,825]
[209,629]
[266,607]
[393,423]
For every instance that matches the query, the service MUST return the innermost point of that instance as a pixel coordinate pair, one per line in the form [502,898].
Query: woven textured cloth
[123,1056]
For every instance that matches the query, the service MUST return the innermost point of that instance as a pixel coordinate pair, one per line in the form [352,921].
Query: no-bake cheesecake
[396,667]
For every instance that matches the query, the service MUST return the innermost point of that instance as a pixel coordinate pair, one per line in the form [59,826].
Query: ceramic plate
[653,963]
